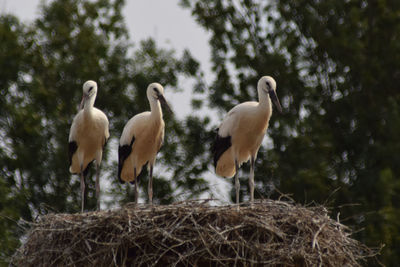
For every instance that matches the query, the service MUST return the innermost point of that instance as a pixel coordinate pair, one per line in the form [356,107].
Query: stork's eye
[268,86]
[90,89]
[155,90]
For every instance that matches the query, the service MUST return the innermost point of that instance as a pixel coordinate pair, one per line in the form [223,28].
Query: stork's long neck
[88,106]
[156,111]
[264,102]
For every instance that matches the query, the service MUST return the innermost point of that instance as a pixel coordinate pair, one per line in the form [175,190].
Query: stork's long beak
[275,100]
[82,105]
[164,102]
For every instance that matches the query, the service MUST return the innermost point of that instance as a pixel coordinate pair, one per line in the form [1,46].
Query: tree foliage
[44,65]
[336,64]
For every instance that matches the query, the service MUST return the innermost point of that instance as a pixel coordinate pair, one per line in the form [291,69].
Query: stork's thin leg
[136,187]
[251,179]
[82,191]
[98,186]
[237,183]
[150,189]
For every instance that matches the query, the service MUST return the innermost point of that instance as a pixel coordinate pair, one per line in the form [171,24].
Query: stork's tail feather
[137,178]
[72,147]
[123,153]
[221,145]
[86,170]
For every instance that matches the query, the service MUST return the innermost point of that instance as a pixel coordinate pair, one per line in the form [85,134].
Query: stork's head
[267,84]
[89,92]
[155,92]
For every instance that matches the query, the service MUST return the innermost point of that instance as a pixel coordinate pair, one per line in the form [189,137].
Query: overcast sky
[169,24]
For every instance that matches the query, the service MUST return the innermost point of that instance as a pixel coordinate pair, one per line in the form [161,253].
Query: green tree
[43,66]
[336,66]
[12,200]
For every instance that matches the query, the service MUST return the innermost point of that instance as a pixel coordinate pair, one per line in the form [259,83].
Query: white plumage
[87,138]
[141,140]
[241,132]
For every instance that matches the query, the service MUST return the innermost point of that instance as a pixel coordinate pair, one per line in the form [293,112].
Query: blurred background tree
[337,70]
[43,66]
[337,66]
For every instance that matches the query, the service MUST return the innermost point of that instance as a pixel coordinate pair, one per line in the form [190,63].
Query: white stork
[141,140]
[87,138]
[241,132]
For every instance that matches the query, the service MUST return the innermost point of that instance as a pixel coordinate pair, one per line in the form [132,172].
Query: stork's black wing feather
[123,153]
[86,170]
[221,145]
[72,147]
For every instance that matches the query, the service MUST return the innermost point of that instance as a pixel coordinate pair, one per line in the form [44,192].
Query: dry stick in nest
[193,233]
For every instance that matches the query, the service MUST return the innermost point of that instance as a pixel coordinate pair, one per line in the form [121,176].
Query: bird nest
[193,233]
